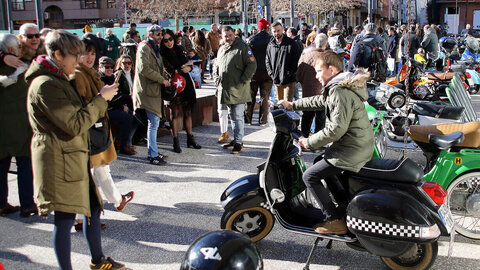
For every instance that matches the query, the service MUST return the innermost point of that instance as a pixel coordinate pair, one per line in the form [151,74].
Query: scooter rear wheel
[256,222]
[419,257]
[463,196]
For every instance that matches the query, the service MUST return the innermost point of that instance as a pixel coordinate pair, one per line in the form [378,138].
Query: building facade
[70,14]
[456,14]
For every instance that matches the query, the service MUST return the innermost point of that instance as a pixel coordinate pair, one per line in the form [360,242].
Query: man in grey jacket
[347,128]
[430,42]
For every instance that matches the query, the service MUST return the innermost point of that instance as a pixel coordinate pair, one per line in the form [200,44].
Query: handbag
[99,137]
[168,92]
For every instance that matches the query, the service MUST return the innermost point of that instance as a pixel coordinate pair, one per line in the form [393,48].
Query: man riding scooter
[347,128]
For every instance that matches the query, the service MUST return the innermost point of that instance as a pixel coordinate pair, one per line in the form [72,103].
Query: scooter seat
[470,130]
[446,141]
[441,76]
[438,111]
[404,171]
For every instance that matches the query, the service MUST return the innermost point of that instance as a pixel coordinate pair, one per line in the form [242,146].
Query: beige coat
[87,80]
[149,75]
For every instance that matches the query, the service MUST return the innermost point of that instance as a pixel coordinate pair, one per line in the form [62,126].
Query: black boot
[176,145]
[191,142]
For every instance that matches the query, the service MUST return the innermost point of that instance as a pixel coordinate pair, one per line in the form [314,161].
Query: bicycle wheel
[464,203]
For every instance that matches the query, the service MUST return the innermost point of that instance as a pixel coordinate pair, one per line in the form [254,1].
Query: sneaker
[8,209]
[337,227]
[32,211]
[229,145]
[237,148]
[157,161]
[108,264]
[223,138]
[126,198]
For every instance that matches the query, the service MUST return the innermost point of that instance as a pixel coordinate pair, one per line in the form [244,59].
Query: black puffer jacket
[282,60]
[259,43]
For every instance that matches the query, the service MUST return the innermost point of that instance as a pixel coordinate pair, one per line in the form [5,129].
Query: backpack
[379,67]
[335,45]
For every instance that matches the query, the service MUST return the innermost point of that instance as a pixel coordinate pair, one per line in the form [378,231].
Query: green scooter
[452,151]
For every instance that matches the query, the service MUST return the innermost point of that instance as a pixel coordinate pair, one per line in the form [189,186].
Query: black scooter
[391,212]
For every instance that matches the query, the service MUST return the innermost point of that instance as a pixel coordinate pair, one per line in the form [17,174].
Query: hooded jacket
[336,41]
[347,126]
[149,75]
[60,122]
[430,42]
[259,43]
[281,60]
[234,68]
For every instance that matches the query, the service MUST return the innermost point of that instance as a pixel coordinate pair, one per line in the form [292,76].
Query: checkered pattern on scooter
[383,228]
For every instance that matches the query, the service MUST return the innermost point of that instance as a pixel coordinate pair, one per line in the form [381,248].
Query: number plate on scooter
[446,217]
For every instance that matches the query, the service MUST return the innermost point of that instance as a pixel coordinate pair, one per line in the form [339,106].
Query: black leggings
[91,230]
[313,180]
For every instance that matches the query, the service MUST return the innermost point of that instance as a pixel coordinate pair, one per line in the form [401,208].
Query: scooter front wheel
[256,222]
[419,257]
[463,201]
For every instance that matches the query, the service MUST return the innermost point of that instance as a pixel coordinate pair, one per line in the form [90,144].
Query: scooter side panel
[450,165]
[243,193]
[384,218]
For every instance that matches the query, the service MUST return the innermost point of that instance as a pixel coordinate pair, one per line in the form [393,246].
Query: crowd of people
[70,104]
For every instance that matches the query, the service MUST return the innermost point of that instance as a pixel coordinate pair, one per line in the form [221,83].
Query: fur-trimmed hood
[355,82]
[334,32]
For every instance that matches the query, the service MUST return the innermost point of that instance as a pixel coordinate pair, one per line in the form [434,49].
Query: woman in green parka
[60,150]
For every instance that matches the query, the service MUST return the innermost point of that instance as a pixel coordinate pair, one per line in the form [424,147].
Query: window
[88,3]
[111,3]
[18,5]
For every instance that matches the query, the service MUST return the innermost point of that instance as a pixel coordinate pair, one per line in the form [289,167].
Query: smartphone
[119,74]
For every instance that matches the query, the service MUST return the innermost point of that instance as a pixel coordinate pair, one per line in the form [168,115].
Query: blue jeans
[236,112]
[153,123]
[127,125]
[24,180]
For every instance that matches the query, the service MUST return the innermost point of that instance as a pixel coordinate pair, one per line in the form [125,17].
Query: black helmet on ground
[222,250]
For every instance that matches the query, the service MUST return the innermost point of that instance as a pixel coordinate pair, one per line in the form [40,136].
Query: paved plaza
[175,204]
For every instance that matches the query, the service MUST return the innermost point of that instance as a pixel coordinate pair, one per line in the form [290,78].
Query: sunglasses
[108,67]
[168,39]
[127,63]
[30,36]
[158,34]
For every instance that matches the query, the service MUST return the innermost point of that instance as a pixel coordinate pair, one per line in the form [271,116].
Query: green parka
[149,76]
[60,143]
[347,126]
[16,132]
[234,68]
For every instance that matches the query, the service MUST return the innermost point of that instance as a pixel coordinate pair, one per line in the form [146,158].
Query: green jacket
[60,143]
[347,126]
[113,43]
[234,68]
[149,76]
[16,132]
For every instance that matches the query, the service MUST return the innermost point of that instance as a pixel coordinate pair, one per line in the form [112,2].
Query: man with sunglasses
[30,39]
[147,92]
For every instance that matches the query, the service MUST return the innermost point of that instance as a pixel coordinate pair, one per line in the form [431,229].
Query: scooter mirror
[277,195]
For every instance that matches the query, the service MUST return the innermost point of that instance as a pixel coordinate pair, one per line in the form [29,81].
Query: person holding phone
[60,122]
[118,111]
